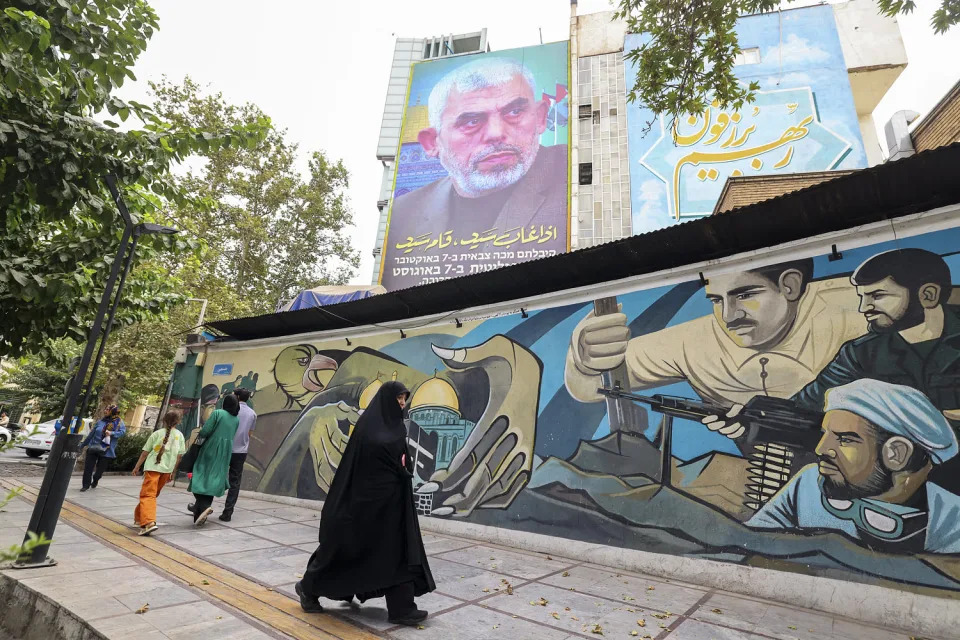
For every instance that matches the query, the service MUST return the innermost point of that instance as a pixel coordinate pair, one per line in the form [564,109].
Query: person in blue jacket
[101,446]
[880,443]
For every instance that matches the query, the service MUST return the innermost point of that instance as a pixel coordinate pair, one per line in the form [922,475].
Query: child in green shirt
[161,453]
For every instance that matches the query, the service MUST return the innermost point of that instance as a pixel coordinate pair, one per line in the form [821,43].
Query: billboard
[482,170]
[803,120]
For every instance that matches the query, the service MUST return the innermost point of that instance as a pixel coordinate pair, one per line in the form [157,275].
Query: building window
[596,117]
[586,173]
[585,111]
[747,56]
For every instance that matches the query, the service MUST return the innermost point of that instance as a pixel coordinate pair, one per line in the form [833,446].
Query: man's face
[888,307]
[488,138]
[849,454]
[753,310]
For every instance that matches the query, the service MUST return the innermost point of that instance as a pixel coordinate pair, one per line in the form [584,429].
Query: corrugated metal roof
[919,183]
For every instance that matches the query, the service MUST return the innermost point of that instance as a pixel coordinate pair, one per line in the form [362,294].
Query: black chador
[370,542]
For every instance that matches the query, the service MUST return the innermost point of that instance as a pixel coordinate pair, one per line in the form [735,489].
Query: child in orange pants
[161,453]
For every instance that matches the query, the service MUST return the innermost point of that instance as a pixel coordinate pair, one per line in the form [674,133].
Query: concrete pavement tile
[227,627]
[245,518]
[853,630]
[435,544]
[581,578]
[696,630]
[88,605]
[522,565]
[205,541]
[168,619]
[309,547]
[663,596]
[17,505]
[478,623]
[734,611]
[162,595]
[465,582]
[583,609]
[122,627]
[286,533]
[287,512]
[790,624]
[272,566]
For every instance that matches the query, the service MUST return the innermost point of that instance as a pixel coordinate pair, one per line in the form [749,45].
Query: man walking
[241,444]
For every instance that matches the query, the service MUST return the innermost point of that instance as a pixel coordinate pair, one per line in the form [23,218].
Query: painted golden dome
[436,392]
[366,396]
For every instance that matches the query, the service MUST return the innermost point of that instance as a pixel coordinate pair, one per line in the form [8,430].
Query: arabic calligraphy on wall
[780,132]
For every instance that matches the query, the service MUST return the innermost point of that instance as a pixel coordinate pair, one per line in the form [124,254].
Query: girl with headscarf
[370,542]
[210,471]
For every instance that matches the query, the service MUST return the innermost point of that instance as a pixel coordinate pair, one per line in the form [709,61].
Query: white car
[40,440]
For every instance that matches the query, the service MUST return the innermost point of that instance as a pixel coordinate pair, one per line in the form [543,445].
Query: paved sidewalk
[484,591]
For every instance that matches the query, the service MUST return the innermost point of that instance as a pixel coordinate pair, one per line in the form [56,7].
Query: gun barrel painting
[747,419]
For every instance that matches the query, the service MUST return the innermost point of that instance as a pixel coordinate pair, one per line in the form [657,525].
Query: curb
[894,608]
[30,615]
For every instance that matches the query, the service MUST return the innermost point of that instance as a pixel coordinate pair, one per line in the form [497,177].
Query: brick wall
[942,125]
[739,192]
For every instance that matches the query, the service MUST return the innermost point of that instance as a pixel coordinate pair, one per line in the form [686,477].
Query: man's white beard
[473,183]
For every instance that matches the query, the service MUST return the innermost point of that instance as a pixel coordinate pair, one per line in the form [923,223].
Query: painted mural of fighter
[880,443]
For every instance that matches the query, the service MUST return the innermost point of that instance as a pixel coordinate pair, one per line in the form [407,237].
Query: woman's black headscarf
[231,404]
[369,534]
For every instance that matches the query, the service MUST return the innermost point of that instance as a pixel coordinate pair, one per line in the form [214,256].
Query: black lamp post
[66,445]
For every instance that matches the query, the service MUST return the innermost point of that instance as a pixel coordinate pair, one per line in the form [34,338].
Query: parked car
[5,435]
[41,440]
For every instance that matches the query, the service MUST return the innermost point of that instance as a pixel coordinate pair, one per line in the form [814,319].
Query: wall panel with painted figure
[725,452]
[803,119]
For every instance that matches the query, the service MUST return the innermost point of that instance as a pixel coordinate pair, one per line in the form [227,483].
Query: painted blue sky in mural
[804,119]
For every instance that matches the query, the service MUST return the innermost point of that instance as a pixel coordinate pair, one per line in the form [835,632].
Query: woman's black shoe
[411,619]
[308,604]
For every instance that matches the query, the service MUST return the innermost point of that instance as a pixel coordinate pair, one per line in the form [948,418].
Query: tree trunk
[110,394]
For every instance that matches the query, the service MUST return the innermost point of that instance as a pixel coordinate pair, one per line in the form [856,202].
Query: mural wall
[800,416]
[803,119]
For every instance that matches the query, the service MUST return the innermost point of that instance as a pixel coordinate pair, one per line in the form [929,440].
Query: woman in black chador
[370,544]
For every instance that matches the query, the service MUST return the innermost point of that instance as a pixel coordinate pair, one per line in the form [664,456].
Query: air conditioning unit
[194,338]
[181,356]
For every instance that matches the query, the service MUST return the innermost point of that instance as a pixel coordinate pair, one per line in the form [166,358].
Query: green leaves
[686,61]
[59,64]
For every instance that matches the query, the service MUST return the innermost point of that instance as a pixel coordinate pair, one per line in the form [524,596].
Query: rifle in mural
[623,414]
[780,437]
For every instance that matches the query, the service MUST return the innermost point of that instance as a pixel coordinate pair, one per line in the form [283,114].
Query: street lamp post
[142,229]
[66,445]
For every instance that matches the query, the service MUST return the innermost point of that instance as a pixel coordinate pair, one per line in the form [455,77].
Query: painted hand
[327,440]
[727,425]
[496,460]
[600,343]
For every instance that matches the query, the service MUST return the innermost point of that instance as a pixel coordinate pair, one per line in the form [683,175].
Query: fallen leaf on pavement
[219,617]
[420,626]
[565,574]
[549,558]
[566,608]
[486,590]
[597,629]
[641,622]
[575,618]
[716,611]
[634,633]
[661,625]
[650,588]
[205,582]
[661,616]
[143,609]
[790,626]
[556,616]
